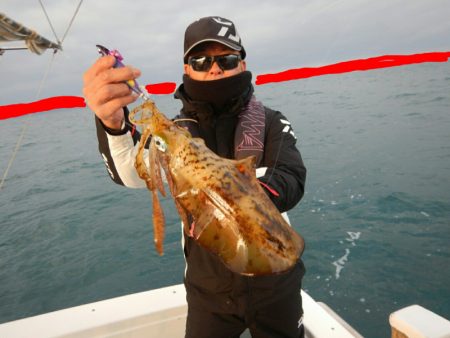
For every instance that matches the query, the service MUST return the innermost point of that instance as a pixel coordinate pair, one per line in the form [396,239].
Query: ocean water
[375,216]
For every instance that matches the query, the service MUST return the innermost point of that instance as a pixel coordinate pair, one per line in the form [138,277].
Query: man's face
[215,73]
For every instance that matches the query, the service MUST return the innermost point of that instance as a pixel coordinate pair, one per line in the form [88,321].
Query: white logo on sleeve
[288,128]
[300,322]
[107,166]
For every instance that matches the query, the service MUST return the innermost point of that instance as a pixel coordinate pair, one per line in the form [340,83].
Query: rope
[49,22]
[71,21]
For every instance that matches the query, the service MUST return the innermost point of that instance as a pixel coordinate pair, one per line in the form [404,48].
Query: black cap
[212,28]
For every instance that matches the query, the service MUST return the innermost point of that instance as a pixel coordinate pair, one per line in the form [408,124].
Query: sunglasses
[204,63]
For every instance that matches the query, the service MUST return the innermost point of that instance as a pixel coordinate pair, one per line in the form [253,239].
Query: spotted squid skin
[234,218]
[232,215]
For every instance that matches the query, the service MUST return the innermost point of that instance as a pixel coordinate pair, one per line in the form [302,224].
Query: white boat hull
[156,313]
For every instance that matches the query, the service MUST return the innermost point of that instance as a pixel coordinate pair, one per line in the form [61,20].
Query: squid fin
[246,165]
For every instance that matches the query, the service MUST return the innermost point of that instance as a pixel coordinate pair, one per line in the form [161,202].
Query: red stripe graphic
[161,88]
[57,102]
[354,65]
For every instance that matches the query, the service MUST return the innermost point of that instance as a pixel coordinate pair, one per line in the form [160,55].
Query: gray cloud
[277,35]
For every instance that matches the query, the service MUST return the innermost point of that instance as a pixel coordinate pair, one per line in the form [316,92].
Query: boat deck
[156,313]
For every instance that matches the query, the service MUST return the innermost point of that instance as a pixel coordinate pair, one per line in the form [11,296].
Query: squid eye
[160,143]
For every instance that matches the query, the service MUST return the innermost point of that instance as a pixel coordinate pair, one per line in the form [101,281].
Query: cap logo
[220,22]
[224,30]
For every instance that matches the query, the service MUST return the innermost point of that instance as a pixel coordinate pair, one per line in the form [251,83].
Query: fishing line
[16,149]
[44,77]
[26,123]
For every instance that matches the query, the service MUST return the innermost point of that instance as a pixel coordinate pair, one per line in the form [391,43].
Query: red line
[57,102]
[269,188]
[354,65]
[161,88]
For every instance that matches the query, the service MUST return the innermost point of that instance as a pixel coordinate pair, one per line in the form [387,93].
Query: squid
[220,202]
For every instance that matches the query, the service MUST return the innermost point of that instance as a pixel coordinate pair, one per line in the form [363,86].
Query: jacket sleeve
[283,173]
[118,150]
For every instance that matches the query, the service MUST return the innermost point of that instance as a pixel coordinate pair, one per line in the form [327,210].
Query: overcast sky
[277,35]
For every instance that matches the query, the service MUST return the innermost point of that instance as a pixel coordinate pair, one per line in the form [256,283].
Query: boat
[162,313]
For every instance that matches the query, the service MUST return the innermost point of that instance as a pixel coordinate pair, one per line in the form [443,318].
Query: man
[217,95]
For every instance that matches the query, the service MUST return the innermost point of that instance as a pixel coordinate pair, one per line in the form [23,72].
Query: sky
[277,35]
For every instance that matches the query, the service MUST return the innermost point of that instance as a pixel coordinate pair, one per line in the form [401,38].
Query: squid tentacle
[155,163]
[158,215]
[141,168]
[158,223]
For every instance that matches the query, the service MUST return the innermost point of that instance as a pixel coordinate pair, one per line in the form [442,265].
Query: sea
[375,215]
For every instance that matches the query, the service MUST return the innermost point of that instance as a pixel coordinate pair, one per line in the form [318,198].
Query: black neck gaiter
[226,97]
[220,92]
